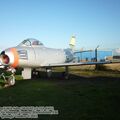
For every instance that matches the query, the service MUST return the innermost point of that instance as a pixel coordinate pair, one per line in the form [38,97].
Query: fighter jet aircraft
[31,54]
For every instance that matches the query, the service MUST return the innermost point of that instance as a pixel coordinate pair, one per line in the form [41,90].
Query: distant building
[90,55]
[116,54]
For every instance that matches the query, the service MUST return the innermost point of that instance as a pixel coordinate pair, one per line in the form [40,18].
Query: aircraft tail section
[72,42]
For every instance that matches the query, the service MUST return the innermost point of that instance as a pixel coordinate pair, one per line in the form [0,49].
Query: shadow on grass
[59,77]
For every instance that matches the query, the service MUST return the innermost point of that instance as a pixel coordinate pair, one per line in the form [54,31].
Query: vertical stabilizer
[72,42]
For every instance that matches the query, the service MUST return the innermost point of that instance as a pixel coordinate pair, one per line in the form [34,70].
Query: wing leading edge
[78,64]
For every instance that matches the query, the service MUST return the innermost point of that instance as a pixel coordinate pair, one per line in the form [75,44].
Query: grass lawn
[95,97]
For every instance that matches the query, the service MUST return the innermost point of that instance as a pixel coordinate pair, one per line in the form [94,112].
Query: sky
[93,22]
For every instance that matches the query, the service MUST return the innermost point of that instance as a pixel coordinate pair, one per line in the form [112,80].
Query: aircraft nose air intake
[5,59]
[10,57]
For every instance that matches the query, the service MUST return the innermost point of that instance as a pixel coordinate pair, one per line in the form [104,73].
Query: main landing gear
[28,73]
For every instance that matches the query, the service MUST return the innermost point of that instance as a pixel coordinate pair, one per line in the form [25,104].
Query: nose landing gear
[10,79]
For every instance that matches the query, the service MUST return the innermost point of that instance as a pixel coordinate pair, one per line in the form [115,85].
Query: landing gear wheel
[35,74]
[49,73]
[65,75]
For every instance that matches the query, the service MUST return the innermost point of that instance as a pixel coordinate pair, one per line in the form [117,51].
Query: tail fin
[72,42]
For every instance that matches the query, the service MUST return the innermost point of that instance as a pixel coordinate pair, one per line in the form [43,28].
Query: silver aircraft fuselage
[33,54]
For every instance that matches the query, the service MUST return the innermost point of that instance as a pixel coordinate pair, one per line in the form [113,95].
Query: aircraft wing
[77,64]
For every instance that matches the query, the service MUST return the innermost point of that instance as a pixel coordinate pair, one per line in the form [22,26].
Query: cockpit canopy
[31,42]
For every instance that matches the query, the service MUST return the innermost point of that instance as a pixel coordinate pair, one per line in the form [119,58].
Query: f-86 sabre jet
[31,55]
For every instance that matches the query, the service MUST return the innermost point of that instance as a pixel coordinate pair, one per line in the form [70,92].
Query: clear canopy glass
[31,42]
